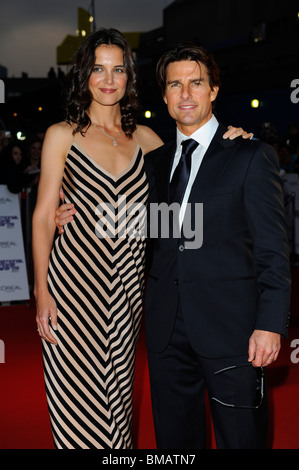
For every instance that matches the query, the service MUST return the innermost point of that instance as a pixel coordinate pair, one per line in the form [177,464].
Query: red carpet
[24,421]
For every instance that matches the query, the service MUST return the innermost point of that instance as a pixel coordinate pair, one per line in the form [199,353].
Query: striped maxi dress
[96,275]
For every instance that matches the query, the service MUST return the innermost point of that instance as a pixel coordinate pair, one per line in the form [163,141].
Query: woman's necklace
[114,138]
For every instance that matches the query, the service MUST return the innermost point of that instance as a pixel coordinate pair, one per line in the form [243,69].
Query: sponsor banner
[13,270]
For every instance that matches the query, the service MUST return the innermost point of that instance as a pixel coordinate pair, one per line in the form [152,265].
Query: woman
[14,172]
[93,283]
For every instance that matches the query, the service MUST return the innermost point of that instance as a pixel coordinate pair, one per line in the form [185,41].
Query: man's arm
[263,201]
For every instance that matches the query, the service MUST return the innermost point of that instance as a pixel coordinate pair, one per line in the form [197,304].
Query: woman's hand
[234,132]
[46,312]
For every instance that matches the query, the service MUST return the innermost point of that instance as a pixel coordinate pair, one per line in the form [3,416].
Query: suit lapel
[215,160]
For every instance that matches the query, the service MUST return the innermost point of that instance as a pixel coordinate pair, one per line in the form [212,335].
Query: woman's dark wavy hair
[79,97]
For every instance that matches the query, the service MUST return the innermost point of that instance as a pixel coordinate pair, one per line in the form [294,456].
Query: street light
[255,103]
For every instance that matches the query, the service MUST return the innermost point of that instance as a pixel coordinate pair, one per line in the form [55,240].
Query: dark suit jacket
[239,279]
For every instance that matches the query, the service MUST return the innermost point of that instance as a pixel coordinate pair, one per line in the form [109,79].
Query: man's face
[188,95]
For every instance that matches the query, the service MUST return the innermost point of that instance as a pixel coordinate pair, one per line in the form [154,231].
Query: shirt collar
[203,135]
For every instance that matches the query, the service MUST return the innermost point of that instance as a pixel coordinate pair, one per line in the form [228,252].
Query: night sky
[31,30]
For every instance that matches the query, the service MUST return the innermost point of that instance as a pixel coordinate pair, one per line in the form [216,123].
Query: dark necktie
[181,174]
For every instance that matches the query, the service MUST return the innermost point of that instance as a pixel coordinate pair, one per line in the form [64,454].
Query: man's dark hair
[190,52]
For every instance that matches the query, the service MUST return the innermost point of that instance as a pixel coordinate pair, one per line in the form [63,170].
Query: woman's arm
[56,144]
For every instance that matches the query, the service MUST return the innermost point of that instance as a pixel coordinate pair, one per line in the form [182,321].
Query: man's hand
[264,347]
[234,132]
[63,214]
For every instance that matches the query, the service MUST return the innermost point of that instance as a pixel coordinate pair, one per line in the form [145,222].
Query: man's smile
[187,106]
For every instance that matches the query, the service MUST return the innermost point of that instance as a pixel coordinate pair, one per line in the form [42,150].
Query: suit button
[176,282]
[181,248]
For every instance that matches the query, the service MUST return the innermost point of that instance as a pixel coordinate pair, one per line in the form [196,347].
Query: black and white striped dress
[96,275]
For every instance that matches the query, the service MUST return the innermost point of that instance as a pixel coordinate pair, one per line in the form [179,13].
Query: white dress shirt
[203,136]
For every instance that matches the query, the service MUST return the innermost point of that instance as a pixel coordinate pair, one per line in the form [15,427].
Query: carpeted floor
[24,421]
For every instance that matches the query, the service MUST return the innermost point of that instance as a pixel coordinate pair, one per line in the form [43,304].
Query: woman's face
[35,153]
[16,154]
[108,79]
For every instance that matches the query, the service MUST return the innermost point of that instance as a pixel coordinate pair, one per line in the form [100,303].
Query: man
[221,303]
[225,303]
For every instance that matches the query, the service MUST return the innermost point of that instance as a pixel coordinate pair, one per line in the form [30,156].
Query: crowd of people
[19,171]
[20,163]
[287,147]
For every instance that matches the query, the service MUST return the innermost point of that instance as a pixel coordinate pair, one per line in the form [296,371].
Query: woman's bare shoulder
[62,130]
[147,139]
[58,141]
